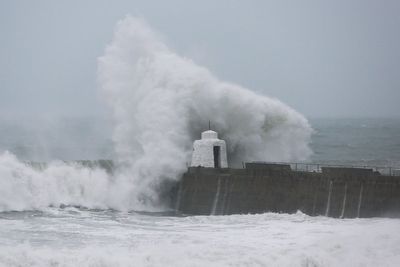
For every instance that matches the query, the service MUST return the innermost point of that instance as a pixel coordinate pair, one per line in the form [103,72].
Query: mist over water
[46,138]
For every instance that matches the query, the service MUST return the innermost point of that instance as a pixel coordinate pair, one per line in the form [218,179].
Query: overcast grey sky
[323,58]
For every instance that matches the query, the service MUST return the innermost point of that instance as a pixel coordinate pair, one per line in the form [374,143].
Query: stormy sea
[56,210]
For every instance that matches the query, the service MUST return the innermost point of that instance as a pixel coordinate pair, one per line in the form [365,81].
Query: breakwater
[259,187]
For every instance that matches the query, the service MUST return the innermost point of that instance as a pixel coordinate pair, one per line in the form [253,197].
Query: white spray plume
[162,101]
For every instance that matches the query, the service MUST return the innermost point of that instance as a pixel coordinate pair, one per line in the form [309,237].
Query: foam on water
[73,237]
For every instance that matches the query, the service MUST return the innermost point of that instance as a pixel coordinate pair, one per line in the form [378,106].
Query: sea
[92,235]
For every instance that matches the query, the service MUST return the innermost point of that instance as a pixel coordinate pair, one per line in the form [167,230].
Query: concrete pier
[260,187]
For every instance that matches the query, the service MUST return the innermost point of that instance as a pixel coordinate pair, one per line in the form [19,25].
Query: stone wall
[258,188]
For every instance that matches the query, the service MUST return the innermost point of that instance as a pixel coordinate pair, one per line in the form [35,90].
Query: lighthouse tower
[209,151]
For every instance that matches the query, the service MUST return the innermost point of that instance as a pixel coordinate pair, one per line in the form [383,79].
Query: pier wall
[258,188]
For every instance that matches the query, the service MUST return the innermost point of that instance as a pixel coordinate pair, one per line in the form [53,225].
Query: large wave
[160,102]
[24,187]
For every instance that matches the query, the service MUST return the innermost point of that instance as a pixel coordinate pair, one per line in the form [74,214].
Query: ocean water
[73,237]
[359,142]
[39,235]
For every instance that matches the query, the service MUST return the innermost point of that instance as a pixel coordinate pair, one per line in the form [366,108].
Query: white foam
[89,239]
[25,188]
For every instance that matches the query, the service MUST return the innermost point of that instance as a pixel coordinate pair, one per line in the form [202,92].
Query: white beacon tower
[209,151]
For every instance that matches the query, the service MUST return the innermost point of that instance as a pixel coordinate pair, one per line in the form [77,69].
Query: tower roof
[209,134]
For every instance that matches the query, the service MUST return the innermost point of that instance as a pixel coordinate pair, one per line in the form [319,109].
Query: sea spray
[26,187]
[161,102]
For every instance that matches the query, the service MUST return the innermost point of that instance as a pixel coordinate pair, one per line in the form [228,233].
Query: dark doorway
[217,157]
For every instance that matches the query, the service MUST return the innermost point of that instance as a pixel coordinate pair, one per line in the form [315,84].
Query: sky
[323,58]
